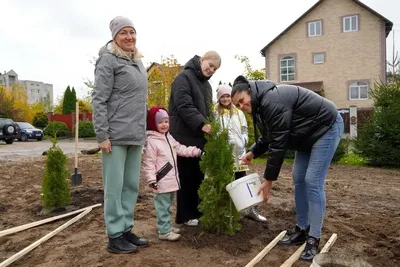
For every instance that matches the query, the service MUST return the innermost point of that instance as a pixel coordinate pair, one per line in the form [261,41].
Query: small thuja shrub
[40,120]
[342,149]
[219,213]
[85,129]
[55,188]
[56,128]
[378,140]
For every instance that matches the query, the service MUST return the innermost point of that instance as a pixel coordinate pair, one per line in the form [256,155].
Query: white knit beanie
[223,89]
[118,23]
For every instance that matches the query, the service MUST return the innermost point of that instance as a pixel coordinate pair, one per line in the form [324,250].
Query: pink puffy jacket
[161,149]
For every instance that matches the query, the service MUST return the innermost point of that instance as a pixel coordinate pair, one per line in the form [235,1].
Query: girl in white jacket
[234,120]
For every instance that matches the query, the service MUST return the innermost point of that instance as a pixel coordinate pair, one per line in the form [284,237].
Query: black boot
[135,240]
[311,249]
[120,245]
[295,238]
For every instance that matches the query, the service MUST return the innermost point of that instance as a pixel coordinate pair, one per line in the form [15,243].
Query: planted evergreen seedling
[55,187]
[219,214]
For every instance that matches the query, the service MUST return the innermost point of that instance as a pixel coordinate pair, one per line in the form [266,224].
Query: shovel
[76,178]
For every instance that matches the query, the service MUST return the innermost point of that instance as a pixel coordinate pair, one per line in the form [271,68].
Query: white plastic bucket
[243,191]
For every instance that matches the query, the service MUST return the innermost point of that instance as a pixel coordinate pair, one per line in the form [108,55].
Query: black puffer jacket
[289,117]
[189,105]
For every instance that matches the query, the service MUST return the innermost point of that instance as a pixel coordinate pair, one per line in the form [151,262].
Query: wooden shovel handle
[76,132]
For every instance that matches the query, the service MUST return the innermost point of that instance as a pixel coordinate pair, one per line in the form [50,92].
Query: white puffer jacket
[237,130]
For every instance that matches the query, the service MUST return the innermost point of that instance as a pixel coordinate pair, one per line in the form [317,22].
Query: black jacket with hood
[288,117]
[189,105]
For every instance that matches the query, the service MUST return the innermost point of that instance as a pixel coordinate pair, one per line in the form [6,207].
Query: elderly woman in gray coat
[119,117]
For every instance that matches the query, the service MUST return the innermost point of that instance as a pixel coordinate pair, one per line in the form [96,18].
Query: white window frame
[358,86]
[349,18]
[314,25]
[318,62]
[287,74]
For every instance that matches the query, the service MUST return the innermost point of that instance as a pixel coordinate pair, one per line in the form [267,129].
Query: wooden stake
[264,252]
[328,245]
[43,239]
[295,256]
[37,223]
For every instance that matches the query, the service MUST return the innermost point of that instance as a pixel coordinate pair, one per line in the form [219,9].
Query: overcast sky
[53,41]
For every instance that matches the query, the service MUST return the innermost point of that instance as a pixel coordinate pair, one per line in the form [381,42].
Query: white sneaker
[176,230]
[171,236]
[193,222]
[253,214]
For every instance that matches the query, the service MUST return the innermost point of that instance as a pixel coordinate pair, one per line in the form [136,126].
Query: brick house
[337,47]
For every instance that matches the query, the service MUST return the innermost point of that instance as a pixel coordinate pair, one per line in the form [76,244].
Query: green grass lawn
[264,160]
[349,159]
[352,159]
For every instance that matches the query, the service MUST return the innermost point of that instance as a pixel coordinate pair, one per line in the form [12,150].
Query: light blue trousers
[121,171]
[309,172]
[163,203]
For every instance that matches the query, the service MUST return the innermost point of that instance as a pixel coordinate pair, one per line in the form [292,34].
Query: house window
[350,23]
[358,91]
[287,67]
[314,28]
[318,58]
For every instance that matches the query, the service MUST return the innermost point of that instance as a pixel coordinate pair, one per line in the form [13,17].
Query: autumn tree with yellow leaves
[14,104]
[23,111]
[6,103]
[21,107]
[160,78]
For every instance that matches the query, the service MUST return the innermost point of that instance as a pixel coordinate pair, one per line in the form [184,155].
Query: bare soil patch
[362,208]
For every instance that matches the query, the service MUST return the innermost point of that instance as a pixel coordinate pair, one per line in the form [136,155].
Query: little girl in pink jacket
[160,169]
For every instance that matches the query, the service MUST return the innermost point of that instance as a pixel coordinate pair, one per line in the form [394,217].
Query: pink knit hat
[223,89]
[161,114]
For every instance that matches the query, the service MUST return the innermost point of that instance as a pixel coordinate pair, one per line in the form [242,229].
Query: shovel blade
[76,178]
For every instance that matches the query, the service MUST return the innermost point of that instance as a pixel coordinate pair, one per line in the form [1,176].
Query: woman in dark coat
[189,106]
[295,118]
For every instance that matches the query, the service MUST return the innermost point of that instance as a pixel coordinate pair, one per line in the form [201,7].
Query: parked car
[8,130]
[28,131]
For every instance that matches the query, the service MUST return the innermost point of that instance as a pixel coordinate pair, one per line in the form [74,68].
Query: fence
[69,119]
[363,115]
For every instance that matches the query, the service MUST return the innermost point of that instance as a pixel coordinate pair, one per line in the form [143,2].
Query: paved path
[33,148]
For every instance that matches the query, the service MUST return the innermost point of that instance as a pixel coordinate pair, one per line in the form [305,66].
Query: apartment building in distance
[35,90]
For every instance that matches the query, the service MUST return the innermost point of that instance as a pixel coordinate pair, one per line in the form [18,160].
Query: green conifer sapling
[219,213]
[55,187]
